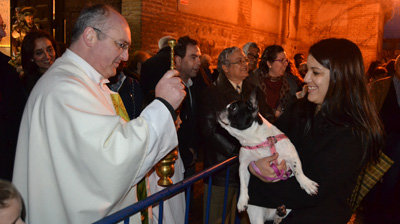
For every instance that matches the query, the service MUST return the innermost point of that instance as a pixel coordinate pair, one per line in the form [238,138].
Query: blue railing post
[208,200]
[160,212]
[188,190]
[159,197]
[226,194]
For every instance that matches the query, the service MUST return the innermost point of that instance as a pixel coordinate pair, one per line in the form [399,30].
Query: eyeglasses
[3,26]
[283,60]
[121,45]
[242,61]
[253,56]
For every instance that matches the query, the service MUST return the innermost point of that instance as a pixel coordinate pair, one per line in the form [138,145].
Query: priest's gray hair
[93,16]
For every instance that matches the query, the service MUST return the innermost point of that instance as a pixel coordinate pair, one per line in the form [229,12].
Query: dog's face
[241,119]
[240,114]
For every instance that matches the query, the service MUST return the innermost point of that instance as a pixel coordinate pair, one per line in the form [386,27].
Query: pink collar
[270,143]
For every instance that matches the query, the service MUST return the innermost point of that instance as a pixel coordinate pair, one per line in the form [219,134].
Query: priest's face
[114,40]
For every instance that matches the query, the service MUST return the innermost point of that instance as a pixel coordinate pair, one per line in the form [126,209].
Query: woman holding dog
[336,131]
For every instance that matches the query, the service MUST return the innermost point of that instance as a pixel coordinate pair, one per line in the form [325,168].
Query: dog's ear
[259,119]
[253,98]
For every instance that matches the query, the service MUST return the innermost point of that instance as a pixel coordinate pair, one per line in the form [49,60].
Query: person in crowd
[126,83]
[73,137]
[205,64]
[379,73]
[154,68]
[372,66]
[390,67]
[135,63]
[299,58]
[129,89]
[11,204]
[335,130]
[219,145]
[381,205]
[38,53]
[291,70]
[303,69]
[279,86]
[252,52]
[12,101]
[187,62]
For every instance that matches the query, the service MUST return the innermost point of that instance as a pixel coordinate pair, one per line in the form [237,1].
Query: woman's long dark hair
[347,101]
[31,70]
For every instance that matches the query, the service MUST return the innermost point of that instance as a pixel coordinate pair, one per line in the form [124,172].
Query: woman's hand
[264,165]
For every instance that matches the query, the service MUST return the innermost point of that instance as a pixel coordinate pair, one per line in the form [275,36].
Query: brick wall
[294,24]
[218,24]
[360,21]
[168,17]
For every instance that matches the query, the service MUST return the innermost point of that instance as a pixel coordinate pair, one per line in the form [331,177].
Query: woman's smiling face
[317,80]
[44,54]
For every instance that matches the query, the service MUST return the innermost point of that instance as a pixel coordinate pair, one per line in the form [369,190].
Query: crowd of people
[92,123]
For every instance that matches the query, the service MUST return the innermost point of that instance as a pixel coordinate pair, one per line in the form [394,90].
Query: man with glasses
[252,52]
[230,85]
[77,160]
[12,102]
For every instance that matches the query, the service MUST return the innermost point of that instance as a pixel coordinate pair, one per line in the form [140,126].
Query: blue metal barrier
[124,214]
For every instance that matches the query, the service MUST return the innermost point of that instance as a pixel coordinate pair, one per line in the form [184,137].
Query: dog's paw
[277,220]
[242,203]
[309,186]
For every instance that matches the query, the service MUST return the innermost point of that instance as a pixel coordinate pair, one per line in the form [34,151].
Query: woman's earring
[32,60]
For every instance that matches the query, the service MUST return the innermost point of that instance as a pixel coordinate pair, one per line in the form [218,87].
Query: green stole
[141,187]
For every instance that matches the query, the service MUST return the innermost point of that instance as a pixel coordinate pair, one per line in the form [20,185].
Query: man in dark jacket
[187,60]
[382,204]
[154,68]
[12,101]
[230,85]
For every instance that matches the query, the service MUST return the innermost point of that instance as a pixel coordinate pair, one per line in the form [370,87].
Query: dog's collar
[270,142]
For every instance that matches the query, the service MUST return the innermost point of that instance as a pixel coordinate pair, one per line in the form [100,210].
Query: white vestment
[174,207]
[76,160]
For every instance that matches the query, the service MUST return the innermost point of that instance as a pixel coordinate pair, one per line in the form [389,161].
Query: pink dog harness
[270,143]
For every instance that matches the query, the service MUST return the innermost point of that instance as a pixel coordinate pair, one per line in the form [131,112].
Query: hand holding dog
[265,168]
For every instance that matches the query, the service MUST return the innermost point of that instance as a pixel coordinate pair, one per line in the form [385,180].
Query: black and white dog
[259,139]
